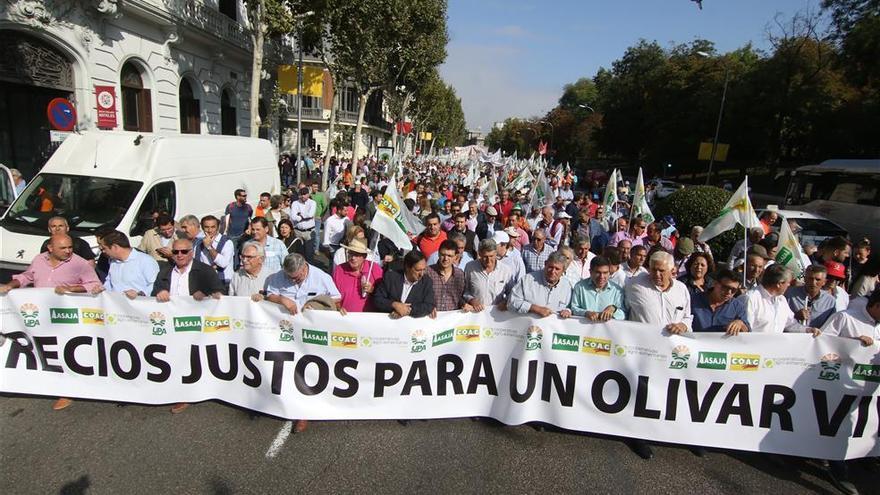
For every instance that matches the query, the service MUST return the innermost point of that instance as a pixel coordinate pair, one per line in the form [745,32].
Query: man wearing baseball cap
[486,229]
[834,285]
[509,256]
[558,234]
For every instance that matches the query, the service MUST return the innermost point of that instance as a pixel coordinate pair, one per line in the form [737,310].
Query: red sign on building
[106,98]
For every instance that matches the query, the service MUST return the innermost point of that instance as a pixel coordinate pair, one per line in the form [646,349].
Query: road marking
[283,433]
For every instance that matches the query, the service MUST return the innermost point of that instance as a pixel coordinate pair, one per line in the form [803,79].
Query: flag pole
[746,239]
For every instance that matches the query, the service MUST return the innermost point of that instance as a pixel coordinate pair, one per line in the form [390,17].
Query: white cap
[501,237]
[561,214]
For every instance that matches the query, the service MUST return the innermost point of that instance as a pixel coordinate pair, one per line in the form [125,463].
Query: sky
[512,58]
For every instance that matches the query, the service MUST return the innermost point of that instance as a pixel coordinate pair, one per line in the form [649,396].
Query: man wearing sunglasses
[186,276]
[717,310]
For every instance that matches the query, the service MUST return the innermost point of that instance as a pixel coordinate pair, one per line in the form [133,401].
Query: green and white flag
[738,210]
[394,220]
[640,204]
[789,253]
[541,193]
[610,200]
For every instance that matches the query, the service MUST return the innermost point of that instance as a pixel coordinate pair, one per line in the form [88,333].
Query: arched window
[190,112]
[137,106]
[228,123]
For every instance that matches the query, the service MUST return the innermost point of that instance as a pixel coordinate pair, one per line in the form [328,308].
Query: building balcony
[197,14]
[311,113]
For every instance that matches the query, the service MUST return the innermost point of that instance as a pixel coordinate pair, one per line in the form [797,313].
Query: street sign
[62,114]
[106,98]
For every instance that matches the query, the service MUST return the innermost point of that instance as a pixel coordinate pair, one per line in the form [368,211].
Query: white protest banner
[788,394]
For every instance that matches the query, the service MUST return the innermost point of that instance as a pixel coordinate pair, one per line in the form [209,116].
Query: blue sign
[62,114]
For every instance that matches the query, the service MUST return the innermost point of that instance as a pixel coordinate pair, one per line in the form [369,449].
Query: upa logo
[467,333]
[217,324]
[830,364]
[347,340]
[92,316]
[30,314]
[286,328]
[187,323]
[418,341]
[598,347]
[315,337]
[866,372]
[563,342]
[745,362]
[64,316]
[443,337]
[712,360]
[157,320]
[681,354]
[533,338]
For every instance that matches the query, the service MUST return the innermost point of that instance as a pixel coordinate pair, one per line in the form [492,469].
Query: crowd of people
[311,249]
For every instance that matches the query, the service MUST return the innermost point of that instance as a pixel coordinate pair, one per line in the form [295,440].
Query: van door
[161,198]
[7,189]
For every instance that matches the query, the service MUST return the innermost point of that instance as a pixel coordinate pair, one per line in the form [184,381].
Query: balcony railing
[347,116]
[307,112]
[196,13]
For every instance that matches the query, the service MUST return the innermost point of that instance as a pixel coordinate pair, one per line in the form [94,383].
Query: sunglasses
[729,288]
[180,251]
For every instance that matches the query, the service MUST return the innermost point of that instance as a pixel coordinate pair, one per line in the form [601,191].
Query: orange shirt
[429,246]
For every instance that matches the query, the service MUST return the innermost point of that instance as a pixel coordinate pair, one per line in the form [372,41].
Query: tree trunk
[356,148]
[431,149]
[259,31]
[330,131]
[400,118]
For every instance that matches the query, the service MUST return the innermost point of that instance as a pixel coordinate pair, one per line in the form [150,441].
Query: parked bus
[846,192]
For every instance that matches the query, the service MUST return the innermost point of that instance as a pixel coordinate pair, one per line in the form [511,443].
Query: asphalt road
[97,447]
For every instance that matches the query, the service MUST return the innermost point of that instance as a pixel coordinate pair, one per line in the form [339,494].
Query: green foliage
[516,135]
[437,109]
[699,206]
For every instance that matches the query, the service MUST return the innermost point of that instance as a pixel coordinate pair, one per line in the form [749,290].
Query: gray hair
[487,245]
[578,241]
[456,236]
[557,258]
[775,274]
[662,257]
[261,251]
[293,262]
[190,220]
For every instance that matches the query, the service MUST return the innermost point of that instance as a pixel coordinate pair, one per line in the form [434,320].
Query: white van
[109,179]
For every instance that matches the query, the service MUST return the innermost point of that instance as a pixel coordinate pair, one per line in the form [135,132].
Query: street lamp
[586,107]
[720,114]
[299,93]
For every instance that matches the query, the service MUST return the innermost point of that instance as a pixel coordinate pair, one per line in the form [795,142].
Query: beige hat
[357,246]
[512,232]
[491,211]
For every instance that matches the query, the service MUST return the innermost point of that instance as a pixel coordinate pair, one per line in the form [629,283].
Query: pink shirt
[349,284]
[619,236]
[74,271]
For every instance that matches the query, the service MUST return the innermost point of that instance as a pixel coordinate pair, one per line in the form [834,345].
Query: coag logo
[563,342]
[599,347]
[388,206]
[745,362]
[217,324]
[65,316]
[443,337]
[418,341]
[91,316]
[30,314]
[712,360]
[286,328]
[681,354]
[866,372]
[830,364]
[534,338]
[348,340]
[157,320]
[187,323]
[467,333]
[315,337]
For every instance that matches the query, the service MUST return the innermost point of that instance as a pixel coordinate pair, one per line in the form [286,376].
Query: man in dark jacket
[409,293]
[186,277]
[487,228]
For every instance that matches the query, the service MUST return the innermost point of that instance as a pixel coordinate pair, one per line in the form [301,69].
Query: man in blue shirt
[811,305]
[597,298]
[717,310]
[131,271]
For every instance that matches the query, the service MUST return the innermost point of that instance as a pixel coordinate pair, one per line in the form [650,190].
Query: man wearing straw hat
[356,279]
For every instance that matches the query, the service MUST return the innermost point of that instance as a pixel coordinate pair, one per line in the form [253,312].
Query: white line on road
[283,433]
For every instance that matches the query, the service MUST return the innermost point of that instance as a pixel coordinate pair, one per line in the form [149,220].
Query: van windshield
[88,203]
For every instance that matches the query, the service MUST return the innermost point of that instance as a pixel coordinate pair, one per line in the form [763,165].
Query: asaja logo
[563,342]
[533,338]
[187,323]
[745,362]
[467,333]
[316,337]
[681,354]
[712,360]
[866,372]
[443,337]
[418,341]
[92,316]
[217,324]
[830,364]
[30,313]
[348,340]
[64,315]
[286,328]
[157,320]
[599,347]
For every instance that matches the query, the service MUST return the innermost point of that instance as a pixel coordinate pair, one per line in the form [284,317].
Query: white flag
[789,253]
[611,194]
[542,193]
[640,204]
[394,220]
[738,210]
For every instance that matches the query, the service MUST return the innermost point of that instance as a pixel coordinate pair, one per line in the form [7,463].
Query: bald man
[58,268]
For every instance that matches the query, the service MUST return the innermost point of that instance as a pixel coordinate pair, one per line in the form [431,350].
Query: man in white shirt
[334,228]
[635,263]
[579,268]
[857,322]
[487,282]
[767,307]
[657,297]
[302,214]
[215,249]
[509,256]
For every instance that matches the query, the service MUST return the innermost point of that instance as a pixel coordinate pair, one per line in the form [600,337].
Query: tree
[266,18]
